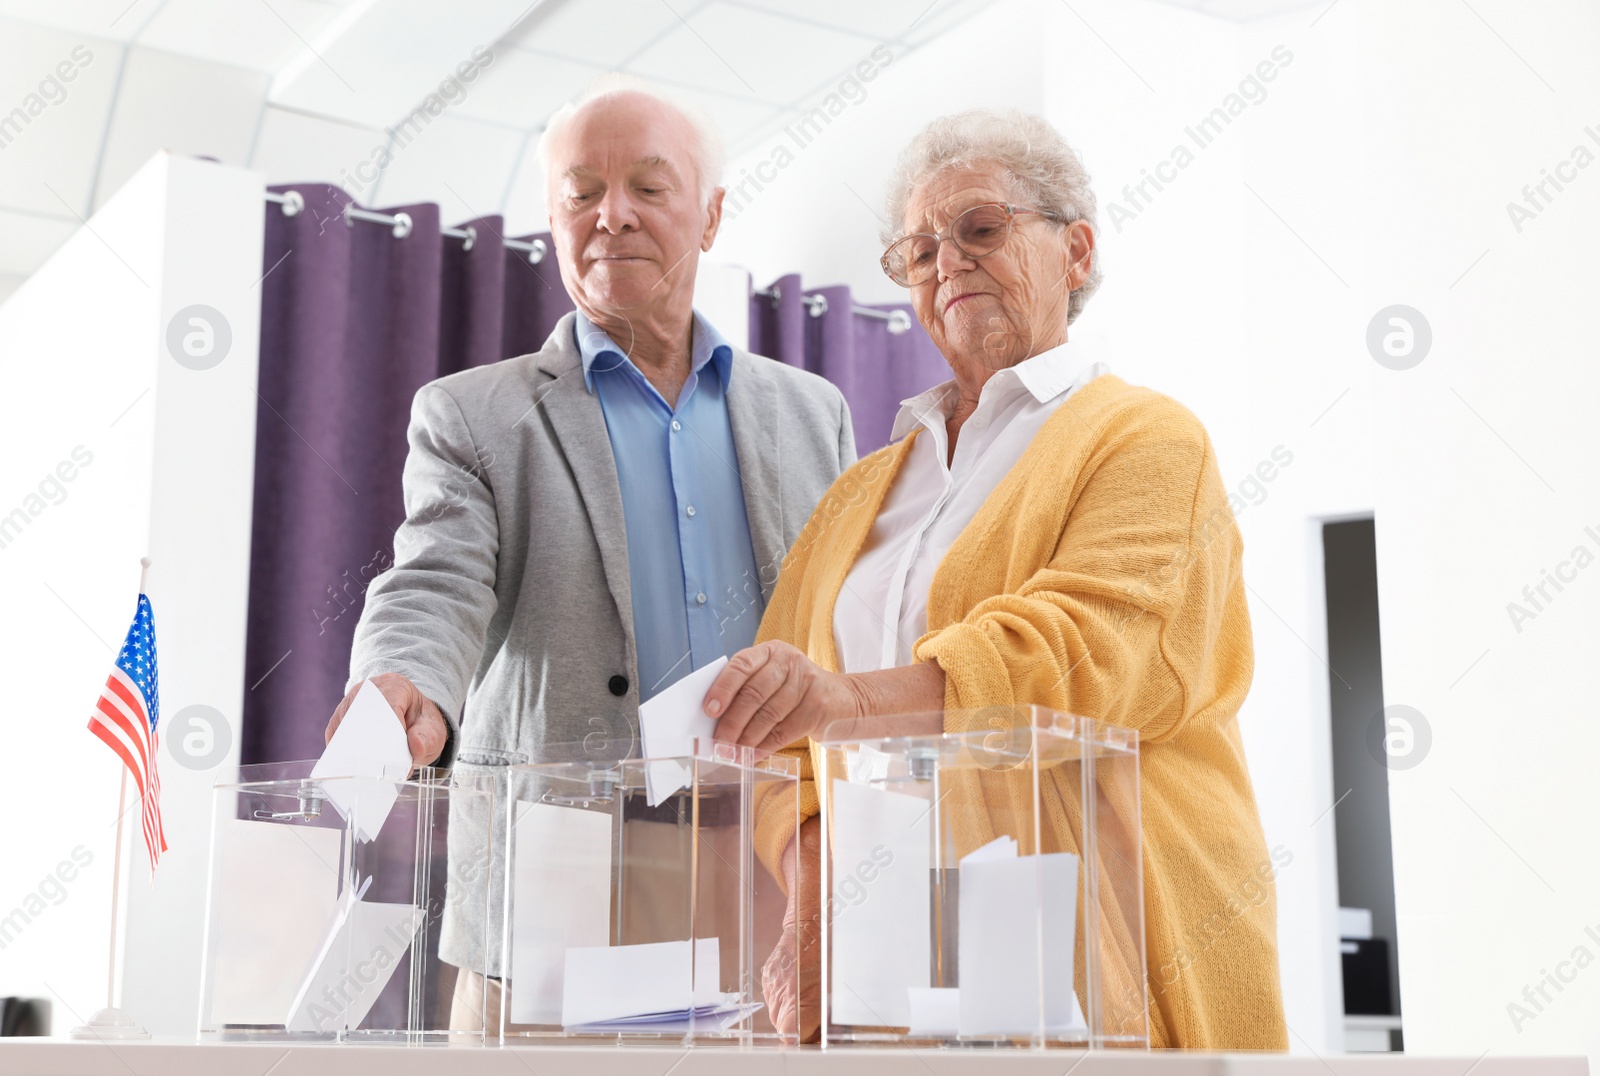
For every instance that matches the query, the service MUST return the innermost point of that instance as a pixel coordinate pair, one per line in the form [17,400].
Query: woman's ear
[1078,241]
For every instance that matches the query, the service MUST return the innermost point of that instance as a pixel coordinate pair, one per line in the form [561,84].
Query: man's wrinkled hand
[426,731]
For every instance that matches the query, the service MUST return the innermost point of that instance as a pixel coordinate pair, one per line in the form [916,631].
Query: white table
[48,1057]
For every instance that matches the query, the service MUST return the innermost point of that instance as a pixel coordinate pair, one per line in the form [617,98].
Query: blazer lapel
[580,427]
[753,415]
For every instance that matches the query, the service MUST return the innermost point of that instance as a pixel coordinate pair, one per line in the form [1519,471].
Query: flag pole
[111,1022]
[116,891]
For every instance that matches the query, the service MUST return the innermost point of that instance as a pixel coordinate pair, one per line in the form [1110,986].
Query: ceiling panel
[745,52]
[9,283]
[243,33]
[1246,10]
[51,131]
[378,60]
[111,20]
[943,17]
[885,20]
[26,239]
[521,88]
[183,105]
[605,35]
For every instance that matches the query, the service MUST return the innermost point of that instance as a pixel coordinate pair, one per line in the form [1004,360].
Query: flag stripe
[130,700]
[128,693]
[132,724]
[121,750]
[118,723]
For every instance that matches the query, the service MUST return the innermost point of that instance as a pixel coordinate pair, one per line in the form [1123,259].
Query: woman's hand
[771,695]
[791,980]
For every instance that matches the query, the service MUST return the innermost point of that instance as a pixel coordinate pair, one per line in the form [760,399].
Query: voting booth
[635,908]
[332,903]
[984,887]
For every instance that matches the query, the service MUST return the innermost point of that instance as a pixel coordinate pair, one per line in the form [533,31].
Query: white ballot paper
[561,899]
[880,901]
[703,1018]
[369,745]
[669,724]
[1003,937]
[613,982]
[364,944]
[277,889]
[935,1011]
[866,763]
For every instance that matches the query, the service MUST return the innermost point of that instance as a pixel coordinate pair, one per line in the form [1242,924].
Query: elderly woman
[1042,532]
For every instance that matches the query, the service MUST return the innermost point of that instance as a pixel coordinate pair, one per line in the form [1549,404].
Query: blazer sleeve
[428,615]
[847,435]
[1139,617]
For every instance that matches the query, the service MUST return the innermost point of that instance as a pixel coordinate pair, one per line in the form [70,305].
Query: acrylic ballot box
[329,900]
[636,908]
[984,887]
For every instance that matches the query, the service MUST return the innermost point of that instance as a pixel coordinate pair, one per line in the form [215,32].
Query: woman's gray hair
[706,148]
[1045,172]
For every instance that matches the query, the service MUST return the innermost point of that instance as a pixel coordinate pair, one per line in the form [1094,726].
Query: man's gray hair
[706,147]
[1045,172]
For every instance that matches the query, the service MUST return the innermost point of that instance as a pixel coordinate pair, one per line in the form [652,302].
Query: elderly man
[587,524]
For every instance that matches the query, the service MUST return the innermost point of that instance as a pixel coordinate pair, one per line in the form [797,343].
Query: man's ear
[1079,244]
[713,219]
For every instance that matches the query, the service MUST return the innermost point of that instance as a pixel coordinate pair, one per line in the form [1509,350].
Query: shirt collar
[707,345]
[1045,376]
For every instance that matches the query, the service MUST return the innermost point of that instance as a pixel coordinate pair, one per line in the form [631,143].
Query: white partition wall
[129,366]
[1488,514]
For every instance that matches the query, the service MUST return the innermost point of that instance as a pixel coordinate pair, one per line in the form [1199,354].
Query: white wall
[1488,481]
[83,351]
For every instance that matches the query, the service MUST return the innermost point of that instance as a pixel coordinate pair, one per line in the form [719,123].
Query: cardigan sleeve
[1124,621]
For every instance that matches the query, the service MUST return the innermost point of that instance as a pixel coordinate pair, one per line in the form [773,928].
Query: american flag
[126,716]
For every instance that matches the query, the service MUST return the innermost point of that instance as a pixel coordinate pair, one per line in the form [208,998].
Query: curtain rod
[898,321]
[293,202]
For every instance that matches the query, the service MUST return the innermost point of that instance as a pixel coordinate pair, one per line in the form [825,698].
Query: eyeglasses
[977,233]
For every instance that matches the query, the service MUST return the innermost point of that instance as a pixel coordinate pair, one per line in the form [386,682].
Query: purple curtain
[873,366]
[353,322]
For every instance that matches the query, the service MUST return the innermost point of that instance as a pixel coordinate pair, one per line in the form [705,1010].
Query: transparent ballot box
[984,887]
[636,907]
[334,905]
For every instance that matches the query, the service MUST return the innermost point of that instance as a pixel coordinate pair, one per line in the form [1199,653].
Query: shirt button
[676,425]
[689,511]
[618,685]
[700,598]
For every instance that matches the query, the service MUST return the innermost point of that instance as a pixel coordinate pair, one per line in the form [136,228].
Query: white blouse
[883,608]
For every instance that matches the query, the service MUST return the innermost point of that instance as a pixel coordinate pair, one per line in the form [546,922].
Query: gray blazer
[508,603]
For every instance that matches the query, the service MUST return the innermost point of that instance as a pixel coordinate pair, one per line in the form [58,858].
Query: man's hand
[771,695]
[426,732]
[794,993]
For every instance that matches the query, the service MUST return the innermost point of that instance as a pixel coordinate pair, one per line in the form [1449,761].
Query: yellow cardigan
[1103,578]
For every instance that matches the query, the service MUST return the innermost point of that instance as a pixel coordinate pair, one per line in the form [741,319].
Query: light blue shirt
[691,565]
